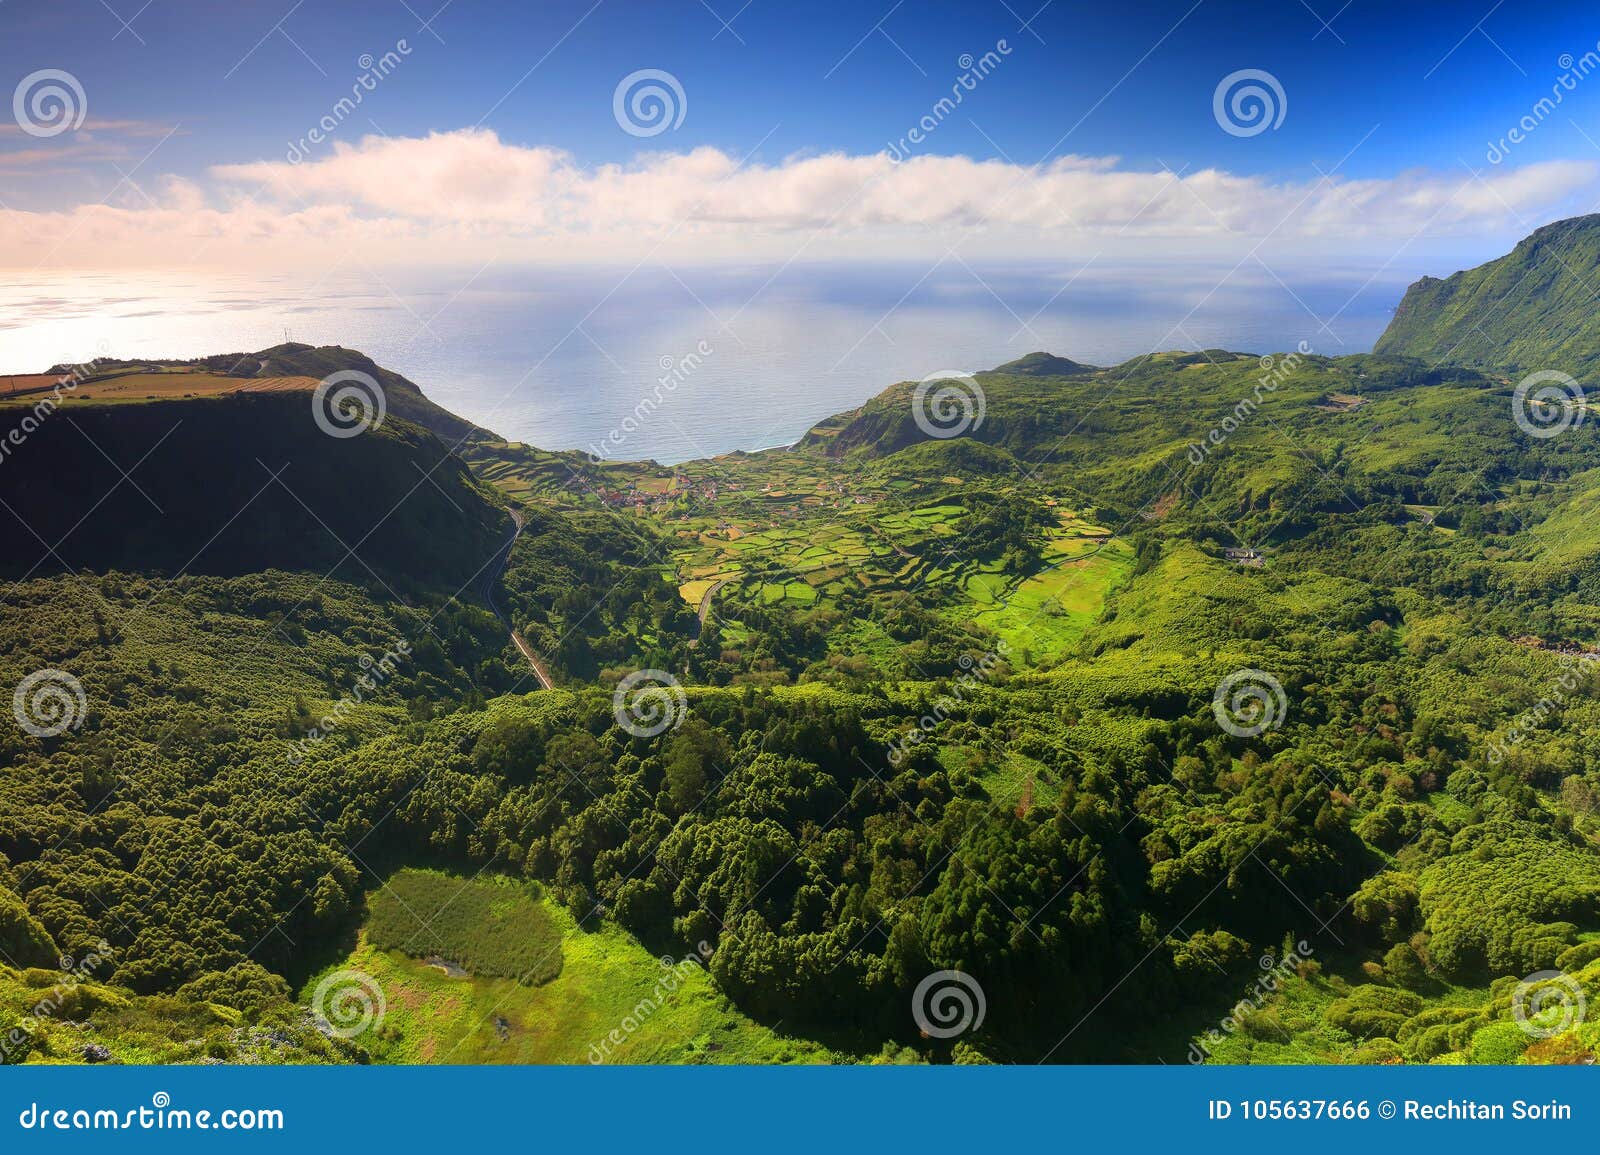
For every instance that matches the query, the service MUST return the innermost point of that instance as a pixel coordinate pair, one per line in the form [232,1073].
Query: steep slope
[234,485]
[404,398]
[1534,308]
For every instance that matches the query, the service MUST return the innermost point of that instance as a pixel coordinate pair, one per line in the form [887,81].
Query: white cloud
[468,195]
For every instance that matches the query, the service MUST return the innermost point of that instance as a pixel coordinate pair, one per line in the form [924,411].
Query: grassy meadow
[663,1011]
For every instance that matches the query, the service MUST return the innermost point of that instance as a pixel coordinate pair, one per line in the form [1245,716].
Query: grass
[1047,614]
[489,926]
[609,989]
[166,386]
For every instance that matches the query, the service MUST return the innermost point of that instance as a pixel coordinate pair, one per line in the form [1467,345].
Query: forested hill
[1532,309]
[1118,691]
[238,484]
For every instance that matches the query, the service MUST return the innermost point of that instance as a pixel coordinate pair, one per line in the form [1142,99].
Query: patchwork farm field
[857,566]
[1043,616]
[161,386]
[915,551]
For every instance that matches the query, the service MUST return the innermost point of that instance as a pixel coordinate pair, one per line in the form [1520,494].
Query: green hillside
[1158,679]
[1532,309]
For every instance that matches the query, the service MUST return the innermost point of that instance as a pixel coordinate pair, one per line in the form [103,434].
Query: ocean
[753,357]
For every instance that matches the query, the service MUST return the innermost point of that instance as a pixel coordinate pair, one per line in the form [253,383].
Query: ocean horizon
[557,357]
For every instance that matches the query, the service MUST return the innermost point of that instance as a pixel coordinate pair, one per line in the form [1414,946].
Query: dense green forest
[1206,707]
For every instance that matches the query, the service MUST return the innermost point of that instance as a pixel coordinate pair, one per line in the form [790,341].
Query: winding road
[492,578]
[705,609]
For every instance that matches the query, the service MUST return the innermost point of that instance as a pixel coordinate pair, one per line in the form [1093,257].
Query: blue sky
[1385,89]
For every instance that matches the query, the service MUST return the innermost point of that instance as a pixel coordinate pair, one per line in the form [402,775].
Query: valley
[421,746]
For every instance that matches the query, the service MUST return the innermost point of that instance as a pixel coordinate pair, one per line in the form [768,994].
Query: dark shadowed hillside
[239,484]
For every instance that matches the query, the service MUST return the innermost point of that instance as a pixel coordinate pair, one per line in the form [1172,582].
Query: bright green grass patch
[610,988]
[1047,614]
[489,926]
[987,588]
